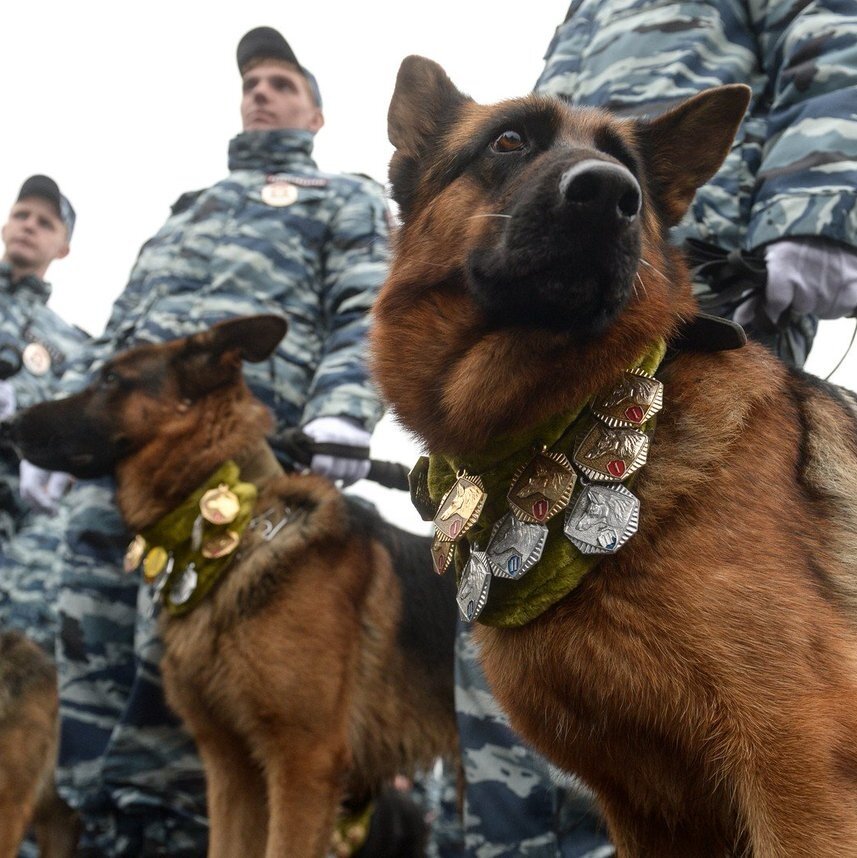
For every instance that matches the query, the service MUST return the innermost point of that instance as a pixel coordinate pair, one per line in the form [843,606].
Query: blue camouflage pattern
[125,761]
[29,570]
[792,171]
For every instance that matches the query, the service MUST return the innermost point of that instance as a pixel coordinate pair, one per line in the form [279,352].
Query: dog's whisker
[471,217]
[642,283]
[649,264]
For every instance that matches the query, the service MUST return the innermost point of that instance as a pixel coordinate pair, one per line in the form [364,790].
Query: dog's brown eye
[509,141]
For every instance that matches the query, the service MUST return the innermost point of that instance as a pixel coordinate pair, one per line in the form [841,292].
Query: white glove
[8,402]
[338,430]
[811,275]
[42,489]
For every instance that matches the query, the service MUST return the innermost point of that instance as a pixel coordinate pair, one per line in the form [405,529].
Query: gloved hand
[812,276]
[338,430]
[8,402]
[42,489]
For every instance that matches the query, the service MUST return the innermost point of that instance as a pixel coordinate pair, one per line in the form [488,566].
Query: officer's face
[34,236]
[276,95]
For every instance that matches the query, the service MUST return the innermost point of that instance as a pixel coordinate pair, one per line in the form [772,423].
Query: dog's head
[150,402]
[532,263]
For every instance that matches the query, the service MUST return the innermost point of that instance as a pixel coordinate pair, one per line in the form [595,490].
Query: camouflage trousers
[512,806]
[126,763]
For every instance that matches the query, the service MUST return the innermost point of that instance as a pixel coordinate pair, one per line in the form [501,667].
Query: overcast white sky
[128,105]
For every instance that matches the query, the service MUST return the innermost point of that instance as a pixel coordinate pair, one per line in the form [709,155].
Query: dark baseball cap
[46,188]
[267,43]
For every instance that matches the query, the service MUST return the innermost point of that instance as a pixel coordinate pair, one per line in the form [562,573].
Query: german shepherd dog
[702,677]
[320,664]
[29,729]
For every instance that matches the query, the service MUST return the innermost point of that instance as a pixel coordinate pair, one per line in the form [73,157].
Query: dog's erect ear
[423,102]
[213,358]
[685,146]
[255,337]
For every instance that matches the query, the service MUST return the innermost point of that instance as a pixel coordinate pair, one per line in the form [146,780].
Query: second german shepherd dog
[701,674]
[319,666]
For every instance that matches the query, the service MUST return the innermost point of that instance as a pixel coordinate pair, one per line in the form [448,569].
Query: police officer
[36,345]
[277,235]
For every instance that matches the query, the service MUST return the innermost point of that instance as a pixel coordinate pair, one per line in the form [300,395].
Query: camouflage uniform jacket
[26,320]
[793,169]
[225,251]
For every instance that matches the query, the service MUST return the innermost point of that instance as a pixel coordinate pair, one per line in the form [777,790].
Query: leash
[300,448]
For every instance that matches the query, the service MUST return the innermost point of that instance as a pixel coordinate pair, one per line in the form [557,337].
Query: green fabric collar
[562,566]
[177,550]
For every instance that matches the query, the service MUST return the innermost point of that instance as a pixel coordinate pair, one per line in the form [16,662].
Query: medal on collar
[473,589]
[637,397]
[602,519]
[183,589]
[418,485]
[134,553]
[36,358]
[279,194]
[155,562]
[220,545]
[219,505]
[515,546]
[542,487]
[441,554]
[460,507]
[607,455]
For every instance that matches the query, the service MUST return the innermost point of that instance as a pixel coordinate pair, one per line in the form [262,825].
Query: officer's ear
[63,251]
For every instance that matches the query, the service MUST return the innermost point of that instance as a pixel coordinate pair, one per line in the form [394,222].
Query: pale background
[129,105]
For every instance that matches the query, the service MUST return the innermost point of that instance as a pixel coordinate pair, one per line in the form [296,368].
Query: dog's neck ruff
[184,554]
[496,514]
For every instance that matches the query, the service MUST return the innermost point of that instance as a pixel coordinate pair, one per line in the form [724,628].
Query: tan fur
[703,680]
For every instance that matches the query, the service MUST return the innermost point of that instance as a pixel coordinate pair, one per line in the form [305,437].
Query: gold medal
[36,358]
[220,505]
[635,399]
[610,455]
[220,545]
[134,553]
[279,194]
[154,563]
[542,487]
[441,554]
[460,507]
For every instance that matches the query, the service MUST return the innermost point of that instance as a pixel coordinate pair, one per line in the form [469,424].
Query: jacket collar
[271,150]
[38,289]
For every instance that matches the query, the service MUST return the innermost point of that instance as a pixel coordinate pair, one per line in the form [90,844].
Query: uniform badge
[134,554]
[219,505]
[473,589]
[602,519]
[636,398]
[542,487]
[36,358]
[515,546]
[460,507]
[279,194]
[607,455]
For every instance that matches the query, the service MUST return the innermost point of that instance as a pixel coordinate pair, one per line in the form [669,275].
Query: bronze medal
[635,399]
[473,589]
[134,554]
[220,505]
[279,194]
[418,484]
[220,545]
[611,455]
[154,563]
[602,519]
[460,507]
[441,554]
[36,358]
[542,487]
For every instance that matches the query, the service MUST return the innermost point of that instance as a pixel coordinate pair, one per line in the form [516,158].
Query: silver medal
[156,588]
[183,588]
[602,519]
[515,546]
[473,589]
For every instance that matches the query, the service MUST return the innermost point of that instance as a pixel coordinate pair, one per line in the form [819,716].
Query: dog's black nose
[601,187]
